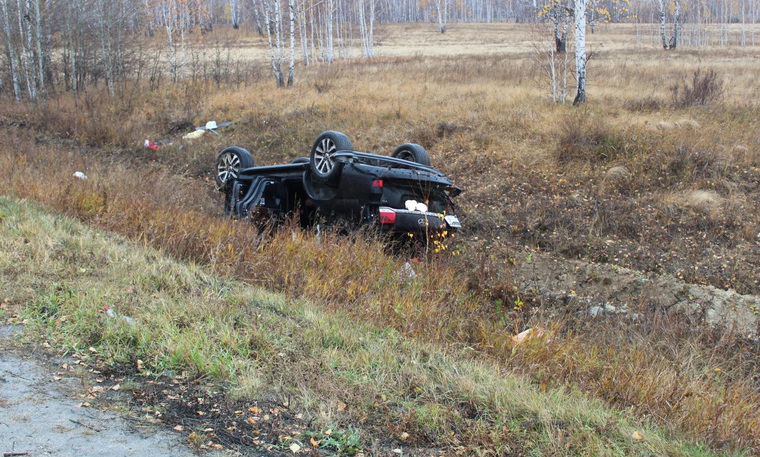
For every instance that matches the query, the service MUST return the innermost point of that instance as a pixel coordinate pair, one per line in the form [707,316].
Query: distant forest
[64,45]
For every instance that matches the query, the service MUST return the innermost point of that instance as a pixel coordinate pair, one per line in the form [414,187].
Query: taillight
[377,183]
[387,217]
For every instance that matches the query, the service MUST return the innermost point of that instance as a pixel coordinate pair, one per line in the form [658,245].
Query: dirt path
[41,414]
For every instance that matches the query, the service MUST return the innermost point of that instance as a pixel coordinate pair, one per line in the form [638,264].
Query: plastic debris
[113,313]
[212,126]
[194,135]
[407,272]
[528,333]
[156,145]
[80,175]
[151,145]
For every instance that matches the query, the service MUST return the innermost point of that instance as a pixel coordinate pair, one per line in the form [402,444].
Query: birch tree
[366,27]
[10,50]
[235,13]
[442,10]
[292,63]
[274,26]
[579,14]
[673,41]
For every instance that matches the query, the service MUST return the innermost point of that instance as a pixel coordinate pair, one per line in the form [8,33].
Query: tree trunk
[580,51]
[662,25]
[674,39]
[235,13]
[292,64]
[11,51]
[40,53]
[273,23]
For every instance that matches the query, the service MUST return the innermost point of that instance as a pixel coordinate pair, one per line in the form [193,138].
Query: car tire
[412,152]
[321,159]
[229,162]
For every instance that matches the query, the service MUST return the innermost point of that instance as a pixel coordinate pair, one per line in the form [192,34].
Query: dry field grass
[633,179]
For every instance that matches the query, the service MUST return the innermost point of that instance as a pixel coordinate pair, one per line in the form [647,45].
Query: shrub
[705,89]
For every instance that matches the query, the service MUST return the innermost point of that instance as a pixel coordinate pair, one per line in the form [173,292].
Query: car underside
[339,185]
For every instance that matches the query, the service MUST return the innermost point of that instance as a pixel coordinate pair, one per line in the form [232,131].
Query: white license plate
[453,221]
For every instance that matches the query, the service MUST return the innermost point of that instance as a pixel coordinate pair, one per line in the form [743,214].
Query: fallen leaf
[179,428]
[116,387]
[637,436]
[314,442]
[404,436]
[341,407]
[201,413]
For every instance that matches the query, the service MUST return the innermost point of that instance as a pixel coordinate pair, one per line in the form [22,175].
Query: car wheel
[321,158]
[412,152]
[229,162]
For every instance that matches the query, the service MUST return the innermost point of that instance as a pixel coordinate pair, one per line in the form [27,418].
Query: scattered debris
[528,333]
[156,145]
[212,126]
[194,135]
[151,145]
[605,309]
[80,175]
[407,272]
[112,313]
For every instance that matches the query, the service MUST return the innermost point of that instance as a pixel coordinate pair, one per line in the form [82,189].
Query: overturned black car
[399,194]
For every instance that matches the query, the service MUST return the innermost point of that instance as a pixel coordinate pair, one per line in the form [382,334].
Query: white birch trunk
[40,54]
[11,51]
[662,24]
[235,13]
[676,17]
[292,63]
[25,54]
[580,51]
[330,18]
[441,7]
[302,37]
[274,23]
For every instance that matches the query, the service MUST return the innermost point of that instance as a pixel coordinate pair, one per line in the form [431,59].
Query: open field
[637,180]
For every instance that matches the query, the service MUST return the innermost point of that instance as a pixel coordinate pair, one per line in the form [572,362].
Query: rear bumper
[405,221]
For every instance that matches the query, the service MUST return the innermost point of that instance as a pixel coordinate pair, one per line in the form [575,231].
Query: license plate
[453,221]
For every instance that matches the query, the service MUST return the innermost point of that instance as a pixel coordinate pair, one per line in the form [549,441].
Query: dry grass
[534,174]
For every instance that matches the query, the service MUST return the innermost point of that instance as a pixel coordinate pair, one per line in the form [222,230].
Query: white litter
[112,313]
[194,135]
[408,272]
[80,175]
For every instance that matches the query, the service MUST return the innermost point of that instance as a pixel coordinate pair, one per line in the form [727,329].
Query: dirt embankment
[606,290]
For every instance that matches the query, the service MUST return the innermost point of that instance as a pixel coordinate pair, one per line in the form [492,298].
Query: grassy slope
[361,381]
